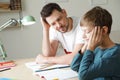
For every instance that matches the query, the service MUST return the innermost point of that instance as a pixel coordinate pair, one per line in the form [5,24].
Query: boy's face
[87,31]
[58,20]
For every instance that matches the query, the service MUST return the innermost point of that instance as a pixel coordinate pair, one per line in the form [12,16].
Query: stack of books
[6,65]
[15,4]
[4,6]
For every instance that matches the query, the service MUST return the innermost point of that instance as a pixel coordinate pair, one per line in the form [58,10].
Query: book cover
[7,64]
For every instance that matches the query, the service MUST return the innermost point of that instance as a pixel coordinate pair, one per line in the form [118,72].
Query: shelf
[4,11]
[11,6]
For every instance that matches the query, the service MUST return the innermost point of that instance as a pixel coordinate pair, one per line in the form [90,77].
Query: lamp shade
[28,20]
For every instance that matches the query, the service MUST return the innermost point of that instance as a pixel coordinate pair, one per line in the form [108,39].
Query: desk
[21,72]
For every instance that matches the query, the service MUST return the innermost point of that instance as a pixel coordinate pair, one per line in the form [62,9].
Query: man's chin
[62,31]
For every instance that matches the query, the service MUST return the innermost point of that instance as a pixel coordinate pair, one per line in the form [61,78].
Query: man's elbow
[48,53]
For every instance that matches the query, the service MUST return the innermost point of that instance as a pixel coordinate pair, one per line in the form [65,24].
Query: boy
[99,59]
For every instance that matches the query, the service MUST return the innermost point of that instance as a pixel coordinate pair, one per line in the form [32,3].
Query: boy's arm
[104,66]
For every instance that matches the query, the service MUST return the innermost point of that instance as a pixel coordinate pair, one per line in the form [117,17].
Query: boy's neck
[107,43]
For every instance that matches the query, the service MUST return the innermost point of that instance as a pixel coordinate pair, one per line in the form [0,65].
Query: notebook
[61,74]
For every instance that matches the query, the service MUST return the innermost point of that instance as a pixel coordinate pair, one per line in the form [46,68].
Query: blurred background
[26,41]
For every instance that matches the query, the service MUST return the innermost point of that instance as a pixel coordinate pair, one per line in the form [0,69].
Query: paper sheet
[34,66]
[61,74]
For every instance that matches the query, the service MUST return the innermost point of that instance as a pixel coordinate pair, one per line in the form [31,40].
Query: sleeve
[108,65]
[76,62]
[79,38]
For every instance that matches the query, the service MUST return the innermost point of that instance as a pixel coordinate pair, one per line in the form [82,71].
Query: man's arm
[67,58]
[64,59]
[49,48]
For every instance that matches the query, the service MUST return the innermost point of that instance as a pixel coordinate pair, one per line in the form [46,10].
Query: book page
[60,74]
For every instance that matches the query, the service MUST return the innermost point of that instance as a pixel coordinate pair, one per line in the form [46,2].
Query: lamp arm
[8,23]
[2,51]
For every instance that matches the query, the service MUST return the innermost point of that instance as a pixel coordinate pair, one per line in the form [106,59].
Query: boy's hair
[48,9]
[97,16]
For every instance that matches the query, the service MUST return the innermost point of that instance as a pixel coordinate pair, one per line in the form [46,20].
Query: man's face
[58,20]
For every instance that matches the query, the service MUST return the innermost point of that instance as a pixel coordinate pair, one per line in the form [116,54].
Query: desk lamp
[27,20]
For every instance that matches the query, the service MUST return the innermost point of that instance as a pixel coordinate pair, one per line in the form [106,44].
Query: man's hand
[95,38]
[41,59]
[45,24]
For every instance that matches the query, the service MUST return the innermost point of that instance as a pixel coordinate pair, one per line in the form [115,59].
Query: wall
[26,41]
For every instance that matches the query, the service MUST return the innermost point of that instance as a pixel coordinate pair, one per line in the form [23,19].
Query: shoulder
[117,46]
[76,22]
[75,19]
[115,50]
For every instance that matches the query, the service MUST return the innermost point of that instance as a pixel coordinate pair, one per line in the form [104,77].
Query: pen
[52,68]
[4,69]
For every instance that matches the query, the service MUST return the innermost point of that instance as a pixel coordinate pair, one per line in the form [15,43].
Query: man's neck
[70,24]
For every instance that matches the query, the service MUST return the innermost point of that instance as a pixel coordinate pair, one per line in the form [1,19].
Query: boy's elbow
[84,76]
[74,68]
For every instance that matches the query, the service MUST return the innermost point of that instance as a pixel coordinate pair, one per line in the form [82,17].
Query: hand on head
[45,24]
[95,38]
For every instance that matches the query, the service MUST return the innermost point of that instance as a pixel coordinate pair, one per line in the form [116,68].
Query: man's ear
[64,12]
[105,29]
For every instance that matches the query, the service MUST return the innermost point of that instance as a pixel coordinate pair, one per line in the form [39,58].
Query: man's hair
[48,9]
[97,16]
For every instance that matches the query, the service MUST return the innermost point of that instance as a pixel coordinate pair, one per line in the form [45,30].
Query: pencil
[52,68]
[4,69]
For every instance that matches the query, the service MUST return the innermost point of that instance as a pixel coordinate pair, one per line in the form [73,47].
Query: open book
[54,71]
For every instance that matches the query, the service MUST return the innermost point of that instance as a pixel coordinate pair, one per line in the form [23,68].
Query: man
[59,29]
[99,59]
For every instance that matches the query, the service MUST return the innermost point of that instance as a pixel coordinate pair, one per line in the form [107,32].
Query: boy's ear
[105,29]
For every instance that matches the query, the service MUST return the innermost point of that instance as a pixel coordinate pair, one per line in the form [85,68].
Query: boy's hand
[95,38]
[84,48]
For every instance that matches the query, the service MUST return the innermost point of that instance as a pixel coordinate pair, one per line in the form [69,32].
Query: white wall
[26,42]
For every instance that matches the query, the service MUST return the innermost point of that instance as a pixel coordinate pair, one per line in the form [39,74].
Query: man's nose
[58,25]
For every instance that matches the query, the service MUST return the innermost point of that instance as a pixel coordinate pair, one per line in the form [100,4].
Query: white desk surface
[21,72]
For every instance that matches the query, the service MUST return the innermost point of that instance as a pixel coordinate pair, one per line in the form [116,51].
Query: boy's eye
[88,32]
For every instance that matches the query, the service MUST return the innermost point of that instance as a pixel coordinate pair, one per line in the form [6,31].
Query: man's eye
[53,24]
[59,19]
